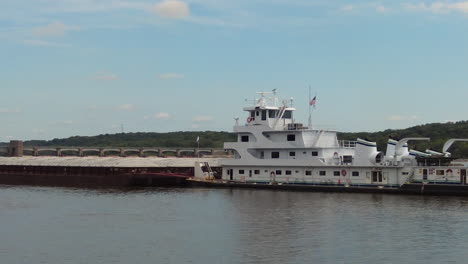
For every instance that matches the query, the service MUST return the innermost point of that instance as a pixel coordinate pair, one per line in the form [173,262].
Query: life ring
[449,171]
[273,174]
[343,172]
[249,119]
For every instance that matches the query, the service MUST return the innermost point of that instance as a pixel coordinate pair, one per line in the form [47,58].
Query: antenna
[237,120]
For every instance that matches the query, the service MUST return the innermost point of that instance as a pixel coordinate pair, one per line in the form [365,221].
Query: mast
[309,125]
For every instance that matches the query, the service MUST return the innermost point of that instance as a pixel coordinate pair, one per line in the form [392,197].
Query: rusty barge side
[95,172]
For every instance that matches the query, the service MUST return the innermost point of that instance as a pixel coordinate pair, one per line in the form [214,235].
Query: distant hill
[438,132]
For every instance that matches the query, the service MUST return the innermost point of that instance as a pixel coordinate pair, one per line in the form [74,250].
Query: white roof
[136,162]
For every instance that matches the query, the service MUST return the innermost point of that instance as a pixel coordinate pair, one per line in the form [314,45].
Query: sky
[89,67]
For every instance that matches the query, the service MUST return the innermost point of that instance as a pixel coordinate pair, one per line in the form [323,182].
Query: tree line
[438,132]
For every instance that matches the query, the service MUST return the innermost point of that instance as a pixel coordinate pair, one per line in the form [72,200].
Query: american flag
[313,101]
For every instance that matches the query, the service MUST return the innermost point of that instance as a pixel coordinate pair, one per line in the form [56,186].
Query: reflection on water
[160,225]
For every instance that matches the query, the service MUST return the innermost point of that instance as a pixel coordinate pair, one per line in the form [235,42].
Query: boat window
[308,172]
[355,173]
[336,173]
[263,114]
[347,159]
[252,114]
[257,113]
[287,114]
[256,171]
[272,113]
[275,155]
[314,153]
[288,172]
[440,172]
[262,154]
[245,138]
[241,171]
[278,172]
[292,137]
[250,173]
[292,154]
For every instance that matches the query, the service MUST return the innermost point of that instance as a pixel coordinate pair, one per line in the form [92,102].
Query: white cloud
[439,7]
[162,116]
[126,107]
[167,76]
[202,119]
[348,8]
[106,76]
[53,29]
[174,9]
[382,9]
[10,110]
[92,107]
[403,118]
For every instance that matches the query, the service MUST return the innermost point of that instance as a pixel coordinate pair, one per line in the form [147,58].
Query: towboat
[273,151]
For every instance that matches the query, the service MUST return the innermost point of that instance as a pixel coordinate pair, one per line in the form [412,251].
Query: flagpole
[309,125]
[198,146]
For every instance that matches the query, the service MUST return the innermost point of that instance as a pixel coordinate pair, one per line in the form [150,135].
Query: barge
[98,172]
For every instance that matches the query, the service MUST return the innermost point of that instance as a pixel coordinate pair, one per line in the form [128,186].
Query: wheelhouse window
[272,113]
[287,115]
[355,173]
[244,138]
[264,114]
[275,155]
[292,154]
[336,173]
[291,137]
[323,173]
[314,153]
[308,173]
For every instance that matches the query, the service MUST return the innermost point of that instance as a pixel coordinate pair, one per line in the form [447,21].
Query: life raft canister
[343,172]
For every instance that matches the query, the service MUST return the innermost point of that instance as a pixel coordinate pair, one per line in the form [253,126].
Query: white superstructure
[272,148]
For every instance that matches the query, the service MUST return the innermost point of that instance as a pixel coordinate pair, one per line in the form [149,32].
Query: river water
[183,225]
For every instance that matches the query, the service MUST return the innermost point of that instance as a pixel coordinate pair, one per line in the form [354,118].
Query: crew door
[463,176]
[424,174]
[230,172]
[377,177]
